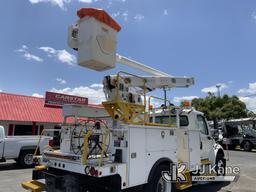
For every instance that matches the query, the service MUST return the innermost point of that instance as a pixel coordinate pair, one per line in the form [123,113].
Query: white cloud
[30,57]
[1,90]
[254,16]
[166,12]
[62,55]
[184,98]
[116,14]
[95,95]
[37,95]
[27,55]
[125,15]
[250,102]
[24,47]
[48,50]
[61,81]
[85,1]
[96,85]
[59,3]
[139,17]
[66,57]
[213,89]
[109,5]
[250,90]
[121,14]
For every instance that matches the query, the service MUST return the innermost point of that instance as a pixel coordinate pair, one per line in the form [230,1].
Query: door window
[202,125]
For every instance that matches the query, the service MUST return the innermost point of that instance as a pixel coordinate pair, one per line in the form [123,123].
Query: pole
[165,96]
[218,89]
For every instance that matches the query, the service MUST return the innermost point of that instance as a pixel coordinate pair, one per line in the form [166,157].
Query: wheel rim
[28,159]
[247,146]
[163,186]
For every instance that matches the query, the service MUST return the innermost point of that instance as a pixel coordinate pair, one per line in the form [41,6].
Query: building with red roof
[28,115]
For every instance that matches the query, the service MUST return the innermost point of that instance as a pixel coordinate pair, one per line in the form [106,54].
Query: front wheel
[247,146]
[158,184]
[220,165]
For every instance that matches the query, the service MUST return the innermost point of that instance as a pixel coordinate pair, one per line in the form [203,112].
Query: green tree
[217,108]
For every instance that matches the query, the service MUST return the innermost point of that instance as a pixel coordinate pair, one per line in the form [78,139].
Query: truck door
[206,140]
[1,142]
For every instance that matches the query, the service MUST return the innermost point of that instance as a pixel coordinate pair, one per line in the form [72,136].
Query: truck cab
[195,132]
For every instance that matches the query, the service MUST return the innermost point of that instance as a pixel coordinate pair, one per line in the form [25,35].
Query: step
[186,185]
[41,167]
[206,162]
[34,186]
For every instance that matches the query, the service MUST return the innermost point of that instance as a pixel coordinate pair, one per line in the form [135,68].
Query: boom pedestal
[129,113]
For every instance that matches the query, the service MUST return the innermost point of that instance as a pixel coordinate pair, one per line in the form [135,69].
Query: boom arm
[159,78]
[131,63]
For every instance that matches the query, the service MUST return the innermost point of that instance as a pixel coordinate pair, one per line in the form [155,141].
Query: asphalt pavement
[11,176]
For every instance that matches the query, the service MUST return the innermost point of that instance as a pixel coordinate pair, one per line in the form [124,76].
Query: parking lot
[11,176]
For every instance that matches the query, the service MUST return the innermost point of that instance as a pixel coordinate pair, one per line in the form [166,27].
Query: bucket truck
[131,141]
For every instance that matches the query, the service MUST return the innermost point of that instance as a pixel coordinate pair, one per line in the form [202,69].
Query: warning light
[186,104]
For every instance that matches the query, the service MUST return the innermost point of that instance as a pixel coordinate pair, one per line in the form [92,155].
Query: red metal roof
[27,108]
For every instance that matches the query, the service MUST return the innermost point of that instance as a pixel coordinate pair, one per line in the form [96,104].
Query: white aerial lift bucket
[95,38]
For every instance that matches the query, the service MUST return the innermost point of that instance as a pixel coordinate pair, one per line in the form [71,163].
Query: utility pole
[165,96]
[218,89]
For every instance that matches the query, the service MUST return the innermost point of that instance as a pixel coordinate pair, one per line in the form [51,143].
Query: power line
[252,95]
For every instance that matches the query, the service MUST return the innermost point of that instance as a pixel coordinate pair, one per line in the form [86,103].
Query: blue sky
[211,40]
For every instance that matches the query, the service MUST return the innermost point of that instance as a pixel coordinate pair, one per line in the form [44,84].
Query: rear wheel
[158,184]
[26,158]
[247,146]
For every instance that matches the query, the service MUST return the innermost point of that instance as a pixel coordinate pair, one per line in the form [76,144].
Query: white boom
[131,63]
[158,80]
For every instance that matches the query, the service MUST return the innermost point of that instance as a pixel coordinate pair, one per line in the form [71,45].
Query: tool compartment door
[194,149]
[137,154]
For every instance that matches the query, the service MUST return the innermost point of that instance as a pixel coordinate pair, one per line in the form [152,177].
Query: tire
[157,183]
[220,165]
[25,159]
[247,146]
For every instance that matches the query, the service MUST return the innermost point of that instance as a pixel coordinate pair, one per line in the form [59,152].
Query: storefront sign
[59,99]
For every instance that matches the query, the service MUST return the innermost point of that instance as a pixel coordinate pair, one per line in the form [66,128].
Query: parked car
[21,148]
